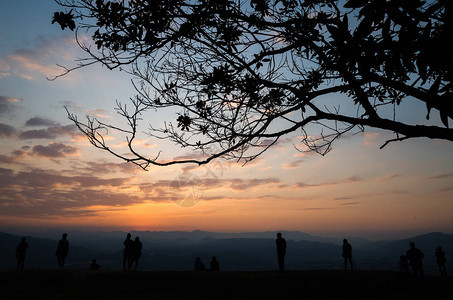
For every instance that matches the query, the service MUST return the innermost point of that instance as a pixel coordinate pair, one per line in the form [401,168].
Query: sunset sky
[51,177]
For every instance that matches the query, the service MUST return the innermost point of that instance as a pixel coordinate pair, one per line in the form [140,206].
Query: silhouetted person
[198,265]
[137,247]
[404,264]
[94,265]
[21,251]
[347,254]
[440,259]
[62,250]
[281,251]
[215,264]
[127,254]
[415,257]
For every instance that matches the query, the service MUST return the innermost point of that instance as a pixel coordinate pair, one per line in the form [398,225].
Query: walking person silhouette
[21,251]
[62,250]
[281,251]
[347,254]
[440,259]
[415,257]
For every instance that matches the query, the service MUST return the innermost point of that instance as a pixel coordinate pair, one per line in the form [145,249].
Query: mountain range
[253,251]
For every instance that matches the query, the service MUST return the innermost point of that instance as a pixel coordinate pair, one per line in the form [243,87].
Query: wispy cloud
[292,165]
[441,176]
[371,138]
[314,208]
[244,184]
[347,180]
[350,203]
[387,178]
[99,113]
[37,62]
[102,168]
[4,68]
[8,105]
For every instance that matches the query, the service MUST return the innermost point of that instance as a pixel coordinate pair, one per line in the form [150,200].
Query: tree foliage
[244,73]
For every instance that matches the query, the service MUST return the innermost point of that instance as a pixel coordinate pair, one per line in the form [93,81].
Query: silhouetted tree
[239,75]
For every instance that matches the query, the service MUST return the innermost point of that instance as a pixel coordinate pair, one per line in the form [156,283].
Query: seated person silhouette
[198,265]
[94,265]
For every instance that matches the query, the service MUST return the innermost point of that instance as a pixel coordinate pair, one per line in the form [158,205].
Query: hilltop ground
[83,284]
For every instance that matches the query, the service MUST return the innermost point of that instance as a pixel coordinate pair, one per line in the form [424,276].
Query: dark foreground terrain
[82,284]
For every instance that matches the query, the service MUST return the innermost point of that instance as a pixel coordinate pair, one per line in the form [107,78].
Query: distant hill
[235,251]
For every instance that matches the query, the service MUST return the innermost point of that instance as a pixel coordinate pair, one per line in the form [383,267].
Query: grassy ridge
[82,284]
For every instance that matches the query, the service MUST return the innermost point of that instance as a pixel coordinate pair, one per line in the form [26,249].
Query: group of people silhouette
[413,258]
[281,252]
[198,265]
[133,251]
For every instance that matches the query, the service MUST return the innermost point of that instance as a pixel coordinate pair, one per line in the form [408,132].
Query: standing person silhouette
[62,250]
[415,257]
[347,254]
[127,254]
[136,251]
[21,251]
[281,251]
[440,259]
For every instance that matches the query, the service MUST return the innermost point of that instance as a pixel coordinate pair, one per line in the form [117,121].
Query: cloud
[7,131]
[6,159]
[49,133]
[387,178]
[37,121]
[347,180]
[54,150]
[8,105]
[138,143]
[244,184]
[447,189]
[36,134]
[98,113]
[313,208]
[343,198]
[160,190]
[292,165]
[4,68]
[14,158]
[37,62]
[371,137]
[441,176]
[40,193]
[106,168]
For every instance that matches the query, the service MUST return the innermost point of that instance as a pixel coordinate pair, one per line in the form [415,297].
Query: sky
[51,177]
